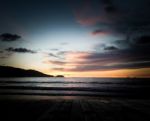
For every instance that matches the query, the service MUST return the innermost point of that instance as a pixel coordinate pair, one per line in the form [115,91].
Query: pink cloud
[88,61]
[101,32]
[86,14]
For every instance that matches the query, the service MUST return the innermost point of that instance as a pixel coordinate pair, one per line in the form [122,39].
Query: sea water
[75,86]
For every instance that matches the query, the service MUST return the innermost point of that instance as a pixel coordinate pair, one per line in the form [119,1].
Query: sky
[77,38]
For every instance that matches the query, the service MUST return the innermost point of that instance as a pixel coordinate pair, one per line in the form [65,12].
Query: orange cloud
[72,61]
[139,73]
[111,63]
[84,20]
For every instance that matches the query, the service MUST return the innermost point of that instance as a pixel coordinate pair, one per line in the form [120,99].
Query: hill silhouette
[6,71]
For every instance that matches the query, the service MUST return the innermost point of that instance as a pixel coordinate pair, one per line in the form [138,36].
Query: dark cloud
[20,50]
[110,48]
[120,56]
[107,2]
[113,61]
[57,55]
[7,37]
[55,62]
[143,40]
[134,57]
[100,32]
[122,44]
[134,19]
[62,53]
[53,55]
[109,7]
[88,12]
[130,19]
[135,43]
[127,17]
[112,67]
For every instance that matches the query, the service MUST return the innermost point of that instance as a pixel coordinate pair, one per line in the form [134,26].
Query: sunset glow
[93,38]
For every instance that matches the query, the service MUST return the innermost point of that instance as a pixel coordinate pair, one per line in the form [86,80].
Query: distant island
[59,76]
[7,71]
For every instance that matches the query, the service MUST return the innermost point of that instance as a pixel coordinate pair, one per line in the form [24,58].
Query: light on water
[73,86]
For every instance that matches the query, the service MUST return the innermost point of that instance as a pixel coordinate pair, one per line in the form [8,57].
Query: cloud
[61,53]
[54,49]
[20,50]
[143,40]
[64,43]
[128,18]
[88,12]
[89,21]
[58,69]
[109,7]
[136,43]
[100,32]
[52,55]
[95,12]
[7,37]
[107,47]
[4,54]
[57,55]
[129,58]
[110,48]
[112,67]
[112,61]
[55,62]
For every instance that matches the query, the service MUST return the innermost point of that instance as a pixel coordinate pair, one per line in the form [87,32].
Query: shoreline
[66,97]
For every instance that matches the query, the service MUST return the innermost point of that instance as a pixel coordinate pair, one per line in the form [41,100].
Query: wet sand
[67,108]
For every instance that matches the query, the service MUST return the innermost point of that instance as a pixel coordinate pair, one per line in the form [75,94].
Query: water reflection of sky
[70,86]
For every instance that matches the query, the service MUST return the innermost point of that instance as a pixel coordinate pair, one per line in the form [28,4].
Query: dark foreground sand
[36,108]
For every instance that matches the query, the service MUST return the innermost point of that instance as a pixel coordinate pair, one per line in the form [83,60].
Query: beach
[75,60]
[74,99]
[67,108]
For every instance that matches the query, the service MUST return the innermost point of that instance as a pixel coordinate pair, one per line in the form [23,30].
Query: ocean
[118,87]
